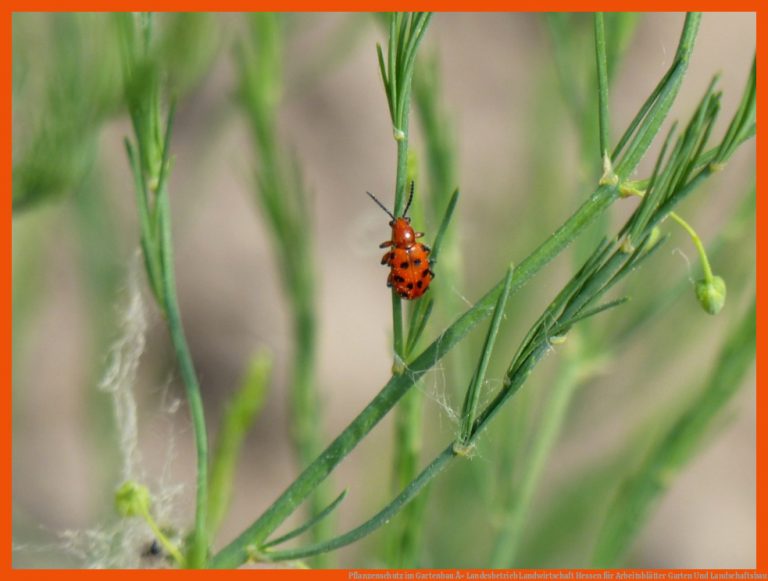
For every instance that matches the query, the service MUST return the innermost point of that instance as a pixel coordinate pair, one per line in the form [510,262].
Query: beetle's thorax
[403,235]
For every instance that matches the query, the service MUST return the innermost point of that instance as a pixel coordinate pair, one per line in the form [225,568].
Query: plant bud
[132,499]
[711,294]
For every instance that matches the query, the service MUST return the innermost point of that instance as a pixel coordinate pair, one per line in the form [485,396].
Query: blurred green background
[523,162]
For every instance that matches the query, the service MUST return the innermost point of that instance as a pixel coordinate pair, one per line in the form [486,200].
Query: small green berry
[132,499]
[711,294]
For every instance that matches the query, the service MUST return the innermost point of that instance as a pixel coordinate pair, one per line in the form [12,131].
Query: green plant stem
[708,275]
[697,243]
[407,422]
[602,85]
[199,549]
[407,443]
[405,534]
[172,549]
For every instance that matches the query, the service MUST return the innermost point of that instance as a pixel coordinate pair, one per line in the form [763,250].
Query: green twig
[473,392]
[199,548]
[602,86]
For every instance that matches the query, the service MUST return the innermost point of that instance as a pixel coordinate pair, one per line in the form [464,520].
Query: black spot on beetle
[417,262]
[399,278]
[404,264]
[424,273]
[419,284]
[410,286]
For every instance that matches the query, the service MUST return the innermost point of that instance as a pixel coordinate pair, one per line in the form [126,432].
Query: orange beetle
[409,262]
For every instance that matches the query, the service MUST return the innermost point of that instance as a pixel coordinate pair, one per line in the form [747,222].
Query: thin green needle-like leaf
[309,524]
[473,392]
[419,322]
[585,314]
[602,85]
[437,244]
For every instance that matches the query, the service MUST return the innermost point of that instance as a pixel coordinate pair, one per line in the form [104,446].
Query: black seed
[404,264]
[417,262]
[410,286]
[419,284]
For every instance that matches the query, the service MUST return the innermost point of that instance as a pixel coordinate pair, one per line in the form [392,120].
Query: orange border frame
[761,571]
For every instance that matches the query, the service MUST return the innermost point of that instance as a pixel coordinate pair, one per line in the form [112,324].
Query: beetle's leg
[419,234]
[387,257]
[385,244]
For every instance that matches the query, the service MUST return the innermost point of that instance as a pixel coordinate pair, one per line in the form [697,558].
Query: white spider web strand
[120,376]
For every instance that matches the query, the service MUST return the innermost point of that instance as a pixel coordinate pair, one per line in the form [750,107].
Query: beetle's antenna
[410,199]
[382,206]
